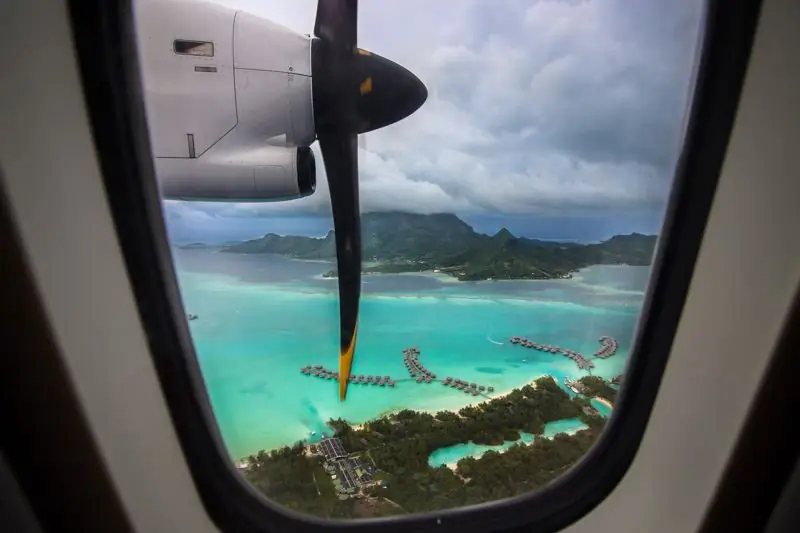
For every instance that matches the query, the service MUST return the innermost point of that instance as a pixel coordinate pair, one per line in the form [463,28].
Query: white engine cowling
[229,103]
[272,173]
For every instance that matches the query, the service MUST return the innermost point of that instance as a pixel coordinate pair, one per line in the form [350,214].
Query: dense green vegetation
[399,445]
[295,481]
[408,437]
[596,386]
[300,483]
[405,242]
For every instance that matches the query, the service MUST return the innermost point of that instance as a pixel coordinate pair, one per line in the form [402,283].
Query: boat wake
[488,338]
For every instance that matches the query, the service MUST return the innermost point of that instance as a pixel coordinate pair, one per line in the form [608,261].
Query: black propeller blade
[335,102]
[354,91]
[337,22]
[341,159]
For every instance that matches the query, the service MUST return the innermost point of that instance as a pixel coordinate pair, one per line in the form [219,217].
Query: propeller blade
[335,104]
[337,22]
[354,91]
[341,164]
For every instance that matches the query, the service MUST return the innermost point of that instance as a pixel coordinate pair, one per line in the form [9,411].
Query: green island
[382,467]
[593,386]
[395,242]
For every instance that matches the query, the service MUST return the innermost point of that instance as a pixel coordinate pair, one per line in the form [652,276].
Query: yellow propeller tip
[346,365]
[366,86]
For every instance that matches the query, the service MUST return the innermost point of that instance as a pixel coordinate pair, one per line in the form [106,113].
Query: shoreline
[454,466]
[431,411]
[444,277]
[577,279]
[603,401]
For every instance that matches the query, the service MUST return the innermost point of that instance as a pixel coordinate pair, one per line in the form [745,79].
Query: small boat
[313,433]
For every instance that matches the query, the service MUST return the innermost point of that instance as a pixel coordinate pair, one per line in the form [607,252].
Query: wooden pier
[580,360]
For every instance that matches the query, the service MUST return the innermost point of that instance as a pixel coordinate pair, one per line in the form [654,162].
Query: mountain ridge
[408,242]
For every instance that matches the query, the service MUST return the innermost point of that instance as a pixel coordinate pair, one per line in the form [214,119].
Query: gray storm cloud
[534,107]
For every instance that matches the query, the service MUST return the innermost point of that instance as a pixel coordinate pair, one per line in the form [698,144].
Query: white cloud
[534,106]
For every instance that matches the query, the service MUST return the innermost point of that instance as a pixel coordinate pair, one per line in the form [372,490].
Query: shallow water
[452,454]
[261,318]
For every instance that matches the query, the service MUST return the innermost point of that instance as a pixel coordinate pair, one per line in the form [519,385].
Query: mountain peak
[503,235]
[390,223]
[407,242]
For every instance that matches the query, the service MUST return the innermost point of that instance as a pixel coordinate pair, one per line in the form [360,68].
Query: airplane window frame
[106,47]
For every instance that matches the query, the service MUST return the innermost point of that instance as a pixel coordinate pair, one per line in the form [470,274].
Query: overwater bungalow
[580,360]
[609,346]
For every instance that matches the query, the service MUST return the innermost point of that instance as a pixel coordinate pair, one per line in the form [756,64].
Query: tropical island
[396,242]
[382,468]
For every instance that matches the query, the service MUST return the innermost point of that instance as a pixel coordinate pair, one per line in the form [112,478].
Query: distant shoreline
[453,276]
[446,277]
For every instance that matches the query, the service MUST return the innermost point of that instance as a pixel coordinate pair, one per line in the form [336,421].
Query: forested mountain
[406,242]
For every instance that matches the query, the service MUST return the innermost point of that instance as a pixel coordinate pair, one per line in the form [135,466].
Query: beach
[603,401]
[432,410]
[262,318]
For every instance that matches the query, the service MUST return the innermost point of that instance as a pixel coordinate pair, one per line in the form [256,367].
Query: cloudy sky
[556,118]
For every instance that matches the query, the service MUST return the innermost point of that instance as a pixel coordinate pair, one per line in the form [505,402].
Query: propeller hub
[364,93]
[388,92]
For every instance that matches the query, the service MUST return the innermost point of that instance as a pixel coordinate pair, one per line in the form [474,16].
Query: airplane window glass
[194,48]
[447,318]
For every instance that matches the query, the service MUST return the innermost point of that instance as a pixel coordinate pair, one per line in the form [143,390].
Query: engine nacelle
[271,173]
